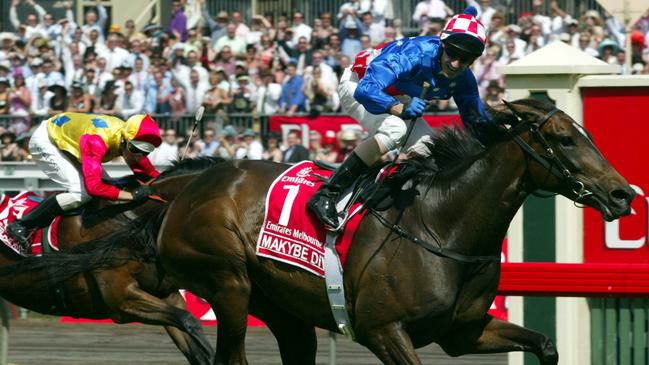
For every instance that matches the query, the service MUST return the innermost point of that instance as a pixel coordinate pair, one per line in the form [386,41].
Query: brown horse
[400,296]
[135,290]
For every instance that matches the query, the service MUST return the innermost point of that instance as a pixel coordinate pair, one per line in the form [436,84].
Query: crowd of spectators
[267,66]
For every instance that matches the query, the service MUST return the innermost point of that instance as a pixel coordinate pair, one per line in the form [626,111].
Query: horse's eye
[566,141]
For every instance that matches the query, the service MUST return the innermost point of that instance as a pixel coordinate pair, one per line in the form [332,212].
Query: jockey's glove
[142,193]
[415,108]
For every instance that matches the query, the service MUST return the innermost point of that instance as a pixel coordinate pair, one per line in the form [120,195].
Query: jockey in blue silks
[382,92]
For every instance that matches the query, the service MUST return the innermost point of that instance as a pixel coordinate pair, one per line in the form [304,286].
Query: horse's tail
[135,242]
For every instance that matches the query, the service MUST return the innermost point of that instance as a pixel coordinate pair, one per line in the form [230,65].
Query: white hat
[8,35]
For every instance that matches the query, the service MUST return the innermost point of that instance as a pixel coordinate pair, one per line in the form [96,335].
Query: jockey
[70,148]
[382,92]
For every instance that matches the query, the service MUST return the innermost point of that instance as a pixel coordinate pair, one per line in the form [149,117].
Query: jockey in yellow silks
[70,148]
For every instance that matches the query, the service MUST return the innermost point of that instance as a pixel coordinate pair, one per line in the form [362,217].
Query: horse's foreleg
[501,336]
[183,328]
[296,339]
[391,344]
[230,304]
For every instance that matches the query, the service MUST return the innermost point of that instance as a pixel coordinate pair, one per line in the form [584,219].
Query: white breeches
[388,129]
[58,167]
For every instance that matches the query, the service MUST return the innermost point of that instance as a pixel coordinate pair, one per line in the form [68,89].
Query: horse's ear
[503,114]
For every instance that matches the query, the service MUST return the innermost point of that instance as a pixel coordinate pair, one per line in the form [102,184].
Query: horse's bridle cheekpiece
[549,159]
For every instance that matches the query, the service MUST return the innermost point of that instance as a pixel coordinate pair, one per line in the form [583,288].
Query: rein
[435,249]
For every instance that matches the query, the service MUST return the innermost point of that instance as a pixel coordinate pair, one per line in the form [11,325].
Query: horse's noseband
[549,160]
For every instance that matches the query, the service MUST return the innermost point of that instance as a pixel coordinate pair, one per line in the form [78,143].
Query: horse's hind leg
[187,341]
[185,330]
[391,344]
[500,336]
[296,339]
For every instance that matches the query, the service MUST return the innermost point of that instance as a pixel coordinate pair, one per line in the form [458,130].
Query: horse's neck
[472,212]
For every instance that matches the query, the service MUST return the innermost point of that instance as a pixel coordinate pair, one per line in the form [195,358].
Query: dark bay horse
[136,290]
[399,295]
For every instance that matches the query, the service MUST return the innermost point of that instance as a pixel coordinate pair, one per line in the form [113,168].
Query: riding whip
[197,119]
[424,90]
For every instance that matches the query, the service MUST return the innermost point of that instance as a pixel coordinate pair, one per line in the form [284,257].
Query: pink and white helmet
[465,33]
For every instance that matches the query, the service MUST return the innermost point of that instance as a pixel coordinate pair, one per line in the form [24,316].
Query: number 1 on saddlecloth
[288,204]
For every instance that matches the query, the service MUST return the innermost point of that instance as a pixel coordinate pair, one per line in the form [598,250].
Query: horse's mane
[189,165]
[454,147]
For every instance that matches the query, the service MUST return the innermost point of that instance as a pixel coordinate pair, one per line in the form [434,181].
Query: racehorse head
[562,158]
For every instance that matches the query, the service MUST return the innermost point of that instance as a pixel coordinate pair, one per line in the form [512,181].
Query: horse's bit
[549,160]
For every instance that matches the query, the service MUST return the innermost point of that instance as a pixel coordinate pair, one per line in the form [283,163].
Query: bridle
[549,160]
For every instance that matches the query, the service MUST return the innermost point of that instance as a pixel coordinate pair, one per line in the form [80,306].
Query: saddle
[382,187]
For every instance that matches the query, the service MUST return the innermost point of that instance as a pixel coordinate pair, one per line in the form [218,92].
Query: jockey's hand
[415,108]
[142,193]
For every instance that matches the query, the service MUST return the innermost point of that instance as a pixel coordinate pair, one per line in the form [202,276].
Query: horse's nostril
[623,194]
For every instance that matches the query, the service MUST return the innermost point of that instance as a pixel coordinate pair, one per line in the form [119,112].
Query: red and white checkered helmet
[465,33]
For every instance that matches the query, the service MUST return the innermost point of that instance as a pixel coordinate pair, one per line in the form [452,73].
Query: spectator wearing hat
[34,24]
[108,101]
[36,75]
[7,41]
[494,94]
[217,26]
[294,152]
[10,150]
[131,101]
[349,139]
[231,39]
[349,34]
[227,143]
[58,102]
[268,94]
[607,50]
[114,54]
[242,95]
[249,147]
[4,95]
[292,99]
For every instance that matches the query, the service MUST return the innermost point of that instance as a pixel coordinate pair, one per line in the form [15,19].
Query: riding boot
[323,202]
[43,214]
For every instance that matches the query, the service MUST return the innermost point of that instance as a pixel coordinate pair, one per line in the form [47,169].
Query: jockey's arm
[144,166]
[93,149]
[382,73]
[472,109]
